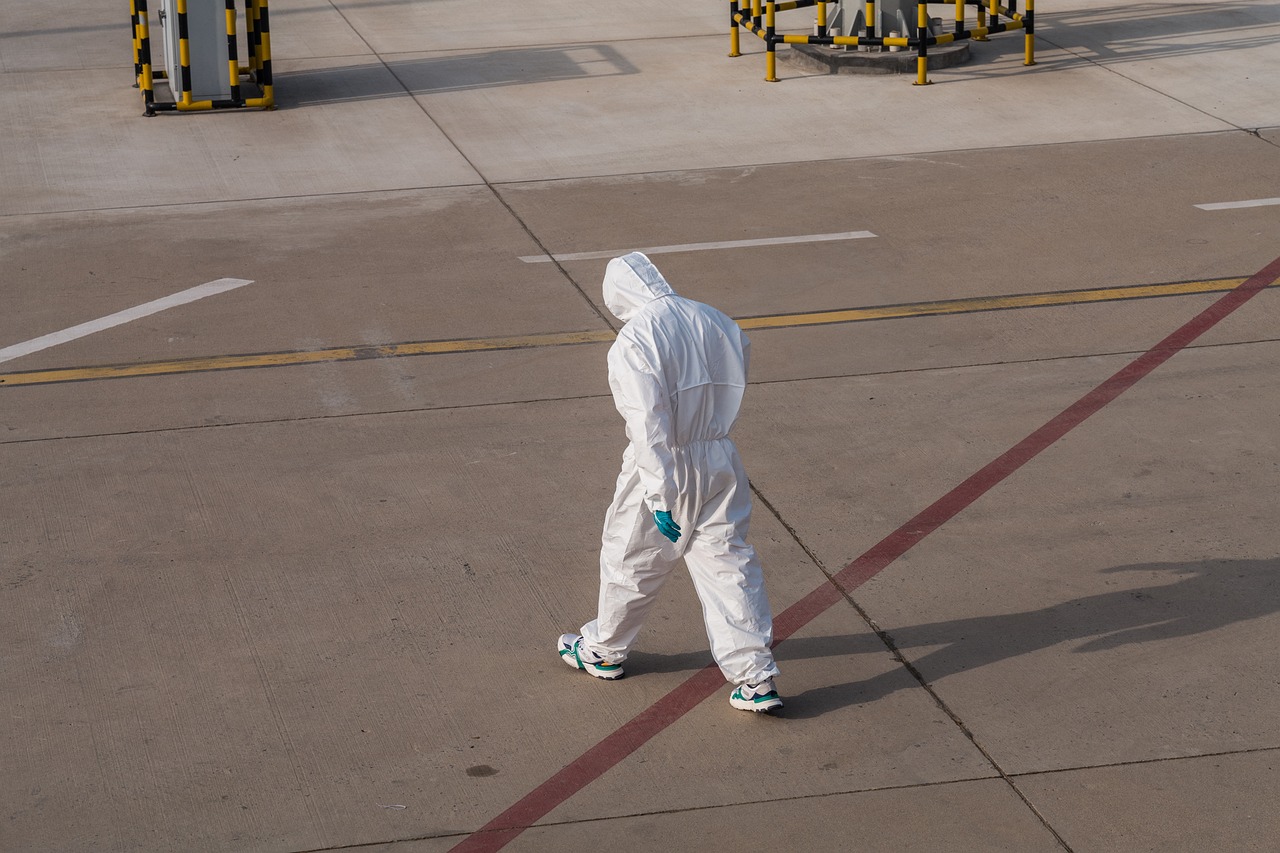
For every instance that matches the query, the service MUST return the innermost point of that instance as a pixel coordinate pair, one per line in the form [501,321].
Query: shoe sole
[571,659]
[756,707]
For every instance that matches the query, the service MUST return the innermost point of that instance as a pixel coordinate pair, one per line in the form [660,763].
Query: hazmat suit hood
[632,282]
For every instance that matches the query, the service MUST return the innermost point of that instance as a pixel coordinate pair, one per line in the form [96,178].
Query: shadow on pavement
[1204,597]
[1142,31]
[1135,32]
[451,73]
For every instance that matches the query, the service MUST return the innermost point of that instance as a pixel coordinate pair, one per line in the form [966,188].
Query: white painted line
[1231,205]
[700,247]
[182,297]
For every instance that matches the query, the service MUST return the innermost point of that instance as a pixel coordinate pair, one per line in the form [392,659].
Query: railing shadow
[451,73]
[1122,34]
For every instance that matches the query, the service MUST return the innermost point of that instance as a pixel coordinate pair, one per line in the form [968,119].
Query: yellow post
[137,45]
[770,56]
[822,17]
[959,15]
[922,63]
[733,30]
[982,21]
[250,32]
[146,82]
[268,99]
[184,55]
[1030,37]
[233,62]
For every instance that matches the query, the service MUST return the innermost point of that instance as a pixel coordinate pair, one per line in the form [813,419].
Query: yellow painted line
[283,359]
[775,321]
[988,303]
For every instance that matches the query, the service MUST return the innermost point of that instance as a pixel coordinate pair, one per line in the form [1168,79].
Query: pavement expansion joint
[1140,762]
[211,202]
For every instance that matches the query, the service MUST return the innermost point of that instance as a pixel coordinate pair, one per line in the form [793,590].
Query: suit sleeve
[641,397]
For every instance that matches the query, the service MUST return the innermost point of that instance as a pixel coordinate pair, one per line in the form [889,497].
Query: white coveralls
[678,371]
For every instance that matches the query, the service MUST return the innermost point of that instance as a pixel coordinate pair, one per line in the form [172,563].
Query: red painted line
[593,763]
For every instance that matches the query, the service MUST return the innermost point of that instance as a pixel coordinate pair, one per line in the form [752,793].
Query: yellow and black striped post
[184,56]
[959,19]
[982,22]
[1029,30]
[822,19]
[251,34]
[233,61]
[922,31]
[263,38]
[733,29]
[146,78]
[871,21]
[133,23]
[771,54]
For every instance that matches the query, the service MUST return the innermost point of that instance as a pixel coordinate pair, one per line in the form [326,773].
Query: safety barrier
[759,18]
[258,69]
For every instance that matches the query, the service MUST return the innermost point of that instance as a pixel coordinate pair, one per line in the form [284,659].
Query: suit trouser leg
[635,561]
[730,585]
[726,573]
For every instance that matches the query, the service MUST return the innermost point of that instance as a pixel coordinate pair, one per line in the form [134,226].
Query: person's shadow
[1180,599]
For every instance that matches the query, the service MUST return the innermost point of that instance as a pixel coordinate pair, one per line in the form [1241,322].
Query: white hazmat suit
[678,371]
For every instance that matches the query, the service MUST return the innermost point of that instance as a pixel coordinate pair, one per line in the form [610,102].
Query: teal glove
[666,526]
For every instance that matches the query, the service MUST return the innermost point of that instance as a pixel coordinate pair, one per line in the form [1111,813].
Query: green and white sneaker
[755,697]
[577,656]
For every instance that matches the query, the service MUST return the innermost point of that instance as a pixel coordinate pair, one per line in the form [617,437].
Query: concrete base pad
[834,60]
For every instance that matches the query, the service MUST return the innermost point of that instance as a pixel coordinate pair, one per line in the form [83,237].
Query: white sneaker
[575,655]
[755,697]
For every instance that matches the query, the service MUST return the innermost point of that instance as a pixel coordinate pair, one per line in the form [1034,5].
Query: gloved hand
[666,526]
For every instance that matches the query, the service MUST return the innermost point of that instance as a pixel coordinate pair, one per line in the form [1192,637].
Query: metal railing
[257,71]
[759,17]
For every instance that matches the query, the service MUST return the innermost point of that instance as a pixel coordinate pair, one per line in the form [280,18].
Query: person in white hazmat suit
[678,370]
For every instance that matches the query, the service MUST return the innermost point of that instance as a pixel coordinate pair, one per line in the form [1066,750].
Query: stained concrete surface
[311,607]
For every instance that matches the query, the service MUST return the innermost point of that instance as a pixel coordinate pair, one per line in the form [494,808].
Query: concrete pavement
[311,606]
